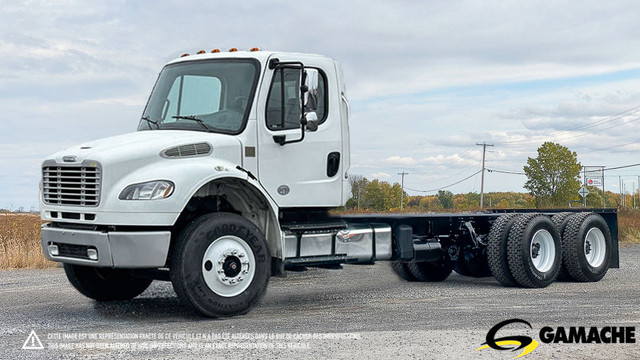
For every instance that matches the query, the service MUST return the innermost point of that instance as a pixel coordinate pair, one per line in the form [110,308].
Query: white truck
[238,158]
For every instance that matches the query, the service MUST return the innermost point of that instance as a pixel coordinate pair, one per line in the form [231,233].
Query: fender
[225,172]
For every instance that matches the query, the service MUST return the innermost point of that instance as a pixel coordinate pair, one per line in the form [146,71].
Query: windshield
[207,95]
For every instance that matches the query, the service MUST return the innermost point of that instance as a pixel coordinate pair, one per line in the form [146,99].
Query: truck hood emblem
[69,158]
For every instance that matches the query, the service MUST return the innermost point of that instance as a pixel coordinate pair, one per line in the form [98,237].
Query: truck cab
[253,134]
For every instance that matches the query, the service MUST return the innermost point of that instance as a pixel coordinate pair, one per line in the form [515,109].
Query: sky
[427,80]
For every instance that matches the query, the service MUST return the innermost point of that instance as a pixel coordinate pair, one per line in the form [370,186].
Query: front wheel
[104,284]
[221,265]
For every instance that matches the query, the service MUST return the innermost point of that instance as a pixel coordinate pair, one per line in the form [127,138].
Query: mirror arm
[282,139]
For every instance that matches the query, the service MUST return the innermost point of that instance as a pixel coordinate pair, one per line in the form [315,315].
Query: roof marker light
[215,50]
[201,52]
[233,49]
[254,49]
[183,55]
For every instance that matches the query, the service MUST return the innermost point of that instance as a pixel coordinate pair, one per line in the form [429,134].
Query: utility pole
[620,186]
[484,151]
[584,183]
[402,193]
[604,195]
[638,192]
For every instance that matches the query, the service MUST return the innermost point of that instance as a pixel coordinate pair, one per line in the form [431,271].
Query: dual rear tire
[524,250]
[586,247]
[532,250]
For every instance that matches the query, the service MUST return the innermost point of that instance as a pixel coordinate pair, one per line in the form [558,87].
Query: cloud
[426,80]
[399,160]
[454,159]
[380,175]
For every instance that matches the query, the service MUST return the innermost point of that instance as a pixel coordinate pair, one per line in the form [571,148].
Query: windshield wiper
[149,121]
[192,118]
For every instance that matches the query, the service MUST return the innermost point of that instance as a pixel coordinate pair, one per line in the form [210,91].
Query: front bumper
[116,249]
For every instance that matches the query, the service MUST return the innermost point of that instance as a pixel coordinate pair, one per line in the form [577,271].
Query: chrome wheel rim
[595,247]
[542,250]
[228,266]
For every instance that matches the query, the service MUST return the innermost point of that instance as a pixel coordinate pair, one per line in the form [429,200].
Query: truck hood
[141,144]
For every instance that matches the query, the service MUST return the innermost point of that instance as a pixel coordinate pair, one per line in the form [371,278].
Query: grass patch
[20,242]
[629,226]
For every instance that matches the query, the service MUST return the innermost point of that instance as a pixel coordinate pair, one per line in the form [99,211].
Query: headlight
[152,190]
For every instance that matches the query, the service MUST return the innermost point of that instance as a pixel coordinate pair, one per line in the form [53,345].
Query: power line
[621,167]
[501,169]
[453,175]
[506,172]
[559,134]
[600,130]
[605,120]
[607,148]
[522,173]
[450,185]
[563,137]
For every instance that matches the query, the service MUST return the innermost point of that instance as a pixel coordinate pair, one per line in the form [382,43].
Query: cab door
[306,173]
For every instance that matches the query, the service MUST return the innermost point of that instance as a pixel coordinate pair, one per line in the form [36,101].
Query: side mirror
[310,103]
[311,94]
[312,120]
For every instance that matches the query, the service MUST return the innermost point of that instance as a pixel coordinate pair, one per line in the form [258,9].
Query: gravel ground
[360,312]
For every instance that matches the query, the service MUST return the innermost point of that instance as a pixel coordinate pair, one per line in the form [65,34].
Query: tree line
[553,181]
[382,196]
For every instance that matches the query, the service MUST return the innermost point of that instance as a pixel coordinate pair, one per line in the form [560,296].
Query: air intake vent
[191,150]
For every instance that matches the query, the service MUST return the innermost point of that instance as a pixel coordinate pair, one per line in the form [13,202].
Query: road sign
[594,181]
[583,191]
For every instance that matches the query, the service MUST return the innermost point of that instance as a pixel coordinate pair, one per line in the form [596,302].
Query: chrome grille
[77,185]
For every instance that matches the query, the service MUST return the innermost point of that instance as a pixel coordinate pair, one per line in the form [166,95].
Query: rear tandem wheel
[586,245]
[497,249]
[534,251]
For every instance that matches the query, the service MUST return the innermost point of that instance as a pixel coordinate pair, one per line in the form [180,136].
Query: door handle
[333,163]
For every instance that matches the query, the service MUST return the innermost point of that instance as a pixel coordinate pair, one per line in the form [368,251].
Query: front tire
[221,265]
[104,284]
